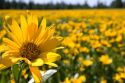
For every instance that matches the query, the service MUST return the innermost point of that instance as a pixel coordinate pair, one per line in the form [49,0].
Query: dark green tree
[117,4]
[14,4]
[85,5]
[101,5]
[31,5]
[2,4]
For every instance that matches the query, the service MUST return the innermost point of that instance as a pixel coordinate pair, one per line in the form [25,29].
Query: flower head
[30,42]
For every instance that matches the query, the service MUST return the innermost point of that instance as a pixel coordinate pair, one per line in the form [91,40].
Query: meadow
[92,50]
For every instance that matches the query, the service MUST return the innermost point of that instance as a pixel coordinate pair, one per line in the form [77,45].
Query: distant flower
[105,59]
[87,62]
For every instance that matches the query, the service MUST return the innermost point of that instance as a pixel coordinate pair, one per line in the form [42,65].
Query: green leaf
[15,71]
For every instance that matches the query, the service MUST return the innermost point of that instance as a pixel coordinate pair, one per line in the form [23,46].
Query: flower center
[30,51]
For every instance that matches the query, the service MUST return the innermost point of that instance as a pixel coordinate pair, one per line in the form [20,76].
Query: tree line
[5,4]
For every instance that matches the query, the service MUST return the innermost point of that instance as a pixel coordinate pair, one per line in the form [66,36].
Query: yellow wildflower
[87,63]
[31,44]
[105,59]
[81,79]
[118,38]
[84,49]
[117,77]
[67,80]
[103,80]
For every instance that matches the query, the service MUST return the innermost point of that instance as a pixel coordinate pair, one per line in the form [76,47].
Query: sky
[90,2]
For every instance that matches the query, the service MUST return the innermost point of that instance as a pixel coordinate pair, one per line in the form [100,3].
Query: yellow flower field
[92,49]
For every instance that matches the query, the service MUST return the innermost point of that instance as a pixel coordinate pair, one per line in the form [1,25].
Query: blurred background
[61,4]
[94,38]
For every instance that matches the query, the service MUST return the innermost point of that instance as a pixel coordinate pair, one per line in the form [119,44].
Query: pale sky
[90,2]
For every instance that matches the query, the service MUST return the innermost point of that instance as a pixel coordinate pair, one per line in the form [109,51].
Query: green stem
[20,72]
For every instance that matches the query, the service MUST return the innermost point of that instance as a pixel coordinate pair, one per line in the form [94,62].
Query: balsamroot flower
[30,42]
[105,59]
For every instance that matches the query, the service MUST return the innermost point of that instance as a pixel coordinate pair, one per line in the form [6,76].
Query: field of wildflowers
[92,49]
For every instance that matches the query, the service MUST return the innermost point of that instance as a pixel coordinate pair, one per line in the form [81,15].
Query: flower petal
[32,19]
[52,64]
[36,74]
[32,32]
[10,43]
[23,27]
[42,27]
[10,53]
[27,61]
[51,44]
[48,33]
[3,48]
[7,62]
[10,34]
[50,57]
[16,30]
[37,62]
